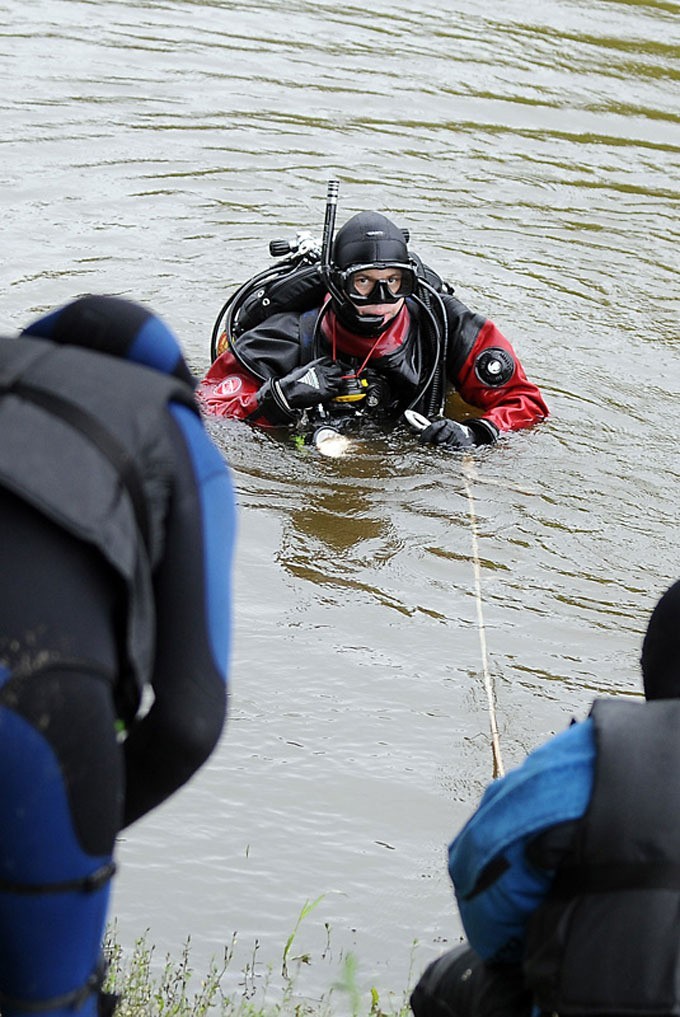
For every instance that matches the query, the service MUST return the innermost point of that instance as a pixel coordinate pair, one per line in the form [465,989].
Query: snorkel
[328,229]
[353,387]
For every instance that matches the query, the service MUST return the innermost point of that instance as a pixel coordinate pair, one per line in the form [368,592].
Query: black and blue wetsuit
[117,530]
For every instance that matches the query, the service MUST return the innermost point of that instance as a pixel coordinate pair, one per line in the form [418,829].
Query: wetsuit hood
[368,239]
[660,659]
[117,327]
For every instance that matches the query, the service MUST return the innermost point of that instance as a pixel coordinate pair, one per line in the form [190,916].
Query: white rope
[498,770]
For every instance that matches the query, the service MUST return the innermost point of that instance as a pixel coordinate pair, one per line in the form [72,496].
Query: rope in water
[498,769]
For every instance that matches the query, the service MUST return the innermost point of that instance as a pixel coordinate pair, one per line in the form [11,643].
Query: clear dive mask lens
[396,282]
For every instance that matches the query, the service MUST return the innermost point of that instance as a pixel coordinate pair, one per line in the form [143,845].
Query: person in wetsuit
[117,523]
[387,335]
[567,876]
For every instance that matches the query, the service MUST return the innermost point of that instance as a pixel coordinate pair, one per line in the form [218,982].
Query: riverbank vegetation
[175,989]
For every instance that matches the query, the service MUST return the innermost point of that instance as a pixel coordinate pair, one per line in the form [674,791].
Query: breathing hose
[432,392]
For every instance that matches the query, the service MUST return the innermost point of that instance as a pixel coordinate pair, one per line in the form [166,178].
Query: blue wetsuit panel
[218,522]
[552,786]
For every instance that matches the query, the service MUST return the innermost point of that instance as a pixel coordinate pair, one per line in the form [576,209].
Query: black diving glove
[313,383]
[454,435]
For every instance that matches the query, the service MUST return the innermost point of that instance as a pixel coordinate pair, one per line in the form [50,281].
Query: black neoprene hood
[661,648]
[369,238]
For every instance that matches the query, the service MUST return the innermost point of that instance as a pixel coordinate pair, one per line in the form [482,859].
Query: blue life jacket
[496,887]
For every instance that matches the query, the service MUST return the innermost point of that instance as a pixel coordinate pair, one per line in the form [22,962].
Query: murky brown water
[153,150]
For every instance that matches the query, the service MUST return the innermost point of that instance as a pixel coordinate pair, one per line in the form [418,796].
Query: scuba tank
[299,281]
[294,283]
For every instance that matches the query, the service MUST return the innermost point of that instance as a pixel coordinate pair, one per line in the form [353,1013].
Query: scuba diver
[566,876]
[362,328]
[117,514]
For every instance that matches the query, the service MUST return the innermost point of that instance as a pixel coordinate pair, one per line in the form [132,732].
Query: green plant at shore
[175,991]
[307,909]
[146,994]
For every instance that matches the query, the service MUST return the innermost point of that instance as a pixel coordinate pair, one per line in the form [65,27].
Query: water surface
[153,150]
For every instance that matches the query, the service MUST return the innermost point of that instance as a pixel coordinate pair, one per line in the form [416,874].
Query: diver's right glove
[313,383]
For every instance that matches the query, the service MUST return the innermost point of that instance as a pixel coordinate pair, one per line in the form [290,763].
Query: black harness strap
[573,880]
[74,999]
[94,430]
[307,329]
[87,884]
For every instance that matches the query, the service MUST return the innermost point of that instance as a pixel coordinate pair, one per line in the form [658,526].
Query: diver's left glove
[454,435]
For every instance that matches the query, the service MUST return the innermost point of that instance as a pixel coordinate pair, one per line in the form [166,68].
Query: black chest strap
[307,328]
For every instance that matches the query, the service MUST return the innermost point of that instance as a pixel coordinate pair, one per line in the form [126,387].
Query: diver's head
[661,648]
[371,272]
